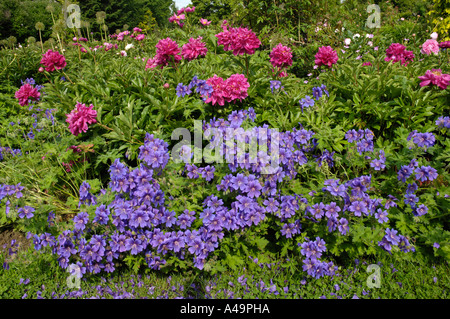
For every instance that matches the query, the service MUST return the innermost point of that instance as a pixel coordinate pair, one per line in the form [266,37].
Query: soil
[7,235]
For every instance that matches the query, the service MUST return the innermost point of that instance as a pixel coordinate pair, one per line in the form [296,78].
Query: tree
[214,10]
[18,18]
[130,12]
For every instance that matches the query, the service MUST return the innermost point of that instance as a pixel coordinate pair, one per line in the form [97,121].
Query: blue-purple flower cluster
[319,90]
[200,86]
[276,85]
[443,121]
[140,222]
[9,192]
[9,150]
[364,139]
[392,239]
[313,250]
[422,139]
[379,163]
[421,174]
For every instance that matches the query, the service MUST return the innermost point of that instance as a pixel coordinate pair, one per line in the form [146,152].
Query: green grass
[400,279]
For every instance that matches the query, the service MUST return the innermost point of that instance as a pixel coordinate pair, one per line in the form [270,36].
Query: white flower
[347,41]
[336,31]
[129,46]
[370,43]
[356,36]
[434,35]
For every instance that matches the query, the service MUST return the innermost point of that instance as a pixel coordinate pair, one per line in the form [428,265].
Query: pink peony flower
[219,91]
[236,86]
[80,117]
[205,22]
[238,40]
[435,77]
[430,46]
[232,89]
[53,60]
[140,37]
[444,45]
[326,56]
[193,49]
[27,92]
[281,56]
[177,19]
[166,50]
[397,52]
[108,46]
[151,63]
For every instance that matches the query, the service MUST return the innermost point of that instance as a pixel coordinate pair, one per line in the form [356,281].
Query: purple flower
[183,90]
[275,85]
[391,236]
[80,220]
[343,226]
[134,245]
[425,172]
[351,136]
[317,92]
[306,102]
[364,145]
[422,139]
[421,210]
[381,216]
[193,171]
[239,182]
[404,172]
[443,122]
[411,199]
[358,207]
[317,210]
[208,173]
[26,211]
[326,157]
[253,189]
[139,218]
[377,164]
[411,188]
[101,215]
[324,89]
